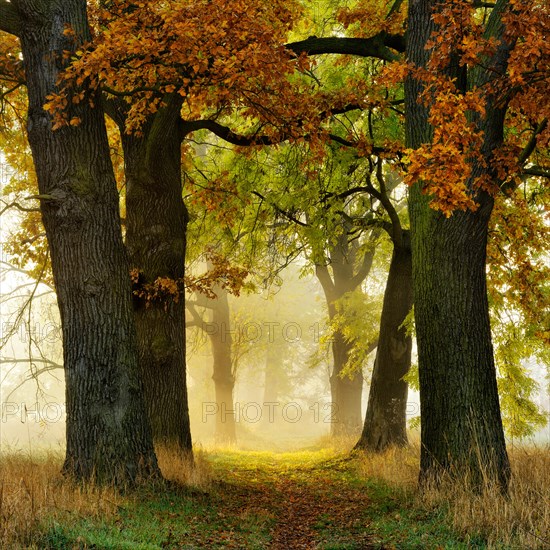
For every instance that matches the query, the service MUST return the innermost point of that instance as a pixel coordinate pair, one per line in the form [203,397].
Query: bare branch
[17,206]
[285,213]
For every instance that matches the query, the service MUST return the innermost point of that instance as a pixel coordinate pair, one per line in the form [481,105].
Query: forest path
[311,502]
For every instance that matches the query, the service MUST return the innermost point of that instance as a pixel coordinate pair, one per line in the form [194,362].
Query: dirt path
[310,507]
[306,506]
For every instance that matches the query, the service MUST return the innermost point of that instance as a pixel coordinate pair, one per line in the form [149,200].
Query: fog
[281,363]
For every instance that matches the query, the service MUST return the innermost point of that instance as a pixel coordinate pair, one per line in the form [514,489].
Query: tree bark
[156,224]
[224,381]
[108,435]
[462,431]
[386,418]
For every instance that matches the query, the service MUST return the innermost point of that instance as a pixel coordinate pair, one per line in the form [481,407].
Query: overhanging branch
[381,46]
[536,171]
[10,19]
[532,143]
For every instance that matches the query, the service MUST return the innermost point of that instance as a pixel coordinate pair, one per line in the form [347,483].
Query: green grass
[165,518]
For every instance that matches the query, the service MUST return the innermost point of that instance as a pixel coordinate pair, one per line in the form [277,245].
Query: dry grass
[32,492]
[522,519]
[519,520]
[397,466]
[182,471]
[340,444]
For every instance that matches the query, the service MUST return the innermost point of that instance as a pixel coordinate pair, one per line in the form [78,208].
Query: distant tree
[218,328]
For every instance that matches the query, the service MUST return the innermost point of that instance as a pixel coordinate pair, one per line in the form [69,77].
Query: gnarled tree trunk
[108,435]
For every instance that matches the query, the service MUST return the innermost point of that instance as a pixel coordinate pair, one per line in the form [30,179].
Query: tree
[108,436]
[456,364]
[346,388]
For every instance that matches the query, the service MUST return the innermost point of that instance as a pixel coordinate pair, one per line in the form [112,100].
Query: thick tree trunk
[108,435]
[462,431]
[156,221]
[386,418]
[461,422]
[224,381]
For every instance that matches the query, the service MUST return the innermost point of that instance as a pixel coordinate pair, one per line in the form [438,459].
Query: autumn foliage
[454,166]
[223,60]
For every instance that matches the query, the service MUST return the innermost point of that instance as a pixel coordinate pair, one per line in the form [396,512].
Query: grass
[519,520]
[237,499]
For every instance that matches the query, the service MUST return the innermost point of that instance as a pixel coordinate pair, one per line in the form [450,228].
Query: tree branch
[10,19]
[16,205]
[226,133]
[396,6]
[286,214]
[197,321]
[536,171]
[532,143]
[199,301]
[397,230]
[365,267]
[525,154]
[321,270]
[382,46]
[368,221]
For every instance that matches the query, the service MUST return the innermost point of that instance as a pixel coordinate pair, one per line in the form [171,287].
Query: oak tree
[108,435]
